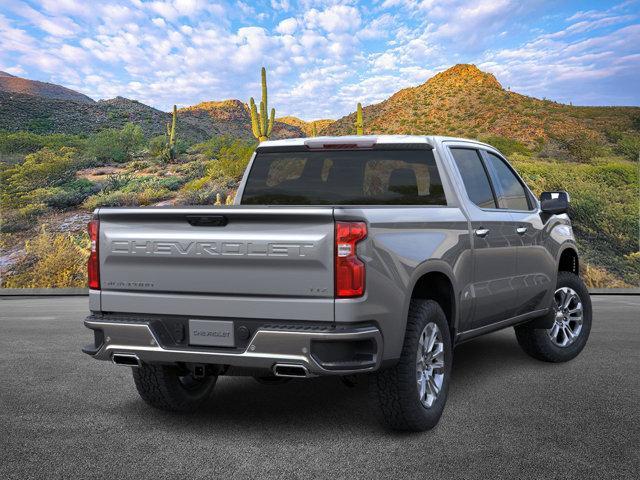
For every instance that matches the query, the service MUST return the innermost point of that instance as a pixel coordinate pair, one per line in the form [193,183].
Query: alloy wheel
[568,321]
[430,364]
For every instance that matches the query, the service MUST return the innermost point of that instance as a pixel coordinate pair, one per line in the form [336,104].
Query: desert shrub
[51,261]
[45,168]
[28,142]
[24,218]
[127,199]
[40,125]
[206,195]
[581,146]
[629,146]
[596,277]
[232,160]
[507,146]
[171,183]
[116,182]
[68,195]
[116,145]
[137,165]
[215,145]
[157,145]
[192,170]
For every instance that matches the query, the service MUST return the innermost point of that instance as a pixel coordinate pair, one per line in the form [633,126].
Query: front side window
[474,177]
[343,177]
[510,191]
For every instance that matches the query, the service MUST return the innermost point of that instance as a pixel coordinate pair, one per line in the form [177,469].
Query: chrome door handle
[481,232]
[521,230]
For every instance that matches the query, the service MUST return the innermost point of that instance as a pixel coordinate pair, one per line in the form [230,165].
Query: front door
[535,264]
[494,243]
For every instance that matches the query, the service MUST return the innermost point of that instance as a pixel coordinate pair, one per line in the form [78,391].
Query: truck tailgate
[236,261]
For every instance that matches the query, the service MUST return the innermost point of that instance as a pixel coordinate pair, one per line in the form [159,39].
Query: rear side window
[355,177]
[474,177]
[511,193]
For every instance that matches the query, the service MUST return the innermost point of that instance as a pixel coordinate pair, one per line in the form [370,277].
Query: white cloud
[335,19]
[287,26]
[56,26]
[280,5]
[159,22]
[378,27]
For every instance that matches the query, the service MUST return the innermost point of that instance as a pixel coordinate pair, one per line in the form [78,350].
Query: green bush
[68,195]
[581,146]
[44,169]
[127,199]
[116,145]
[52,260]
[157,145]
[24,218]
[507,146]
[28,142]
[629,146]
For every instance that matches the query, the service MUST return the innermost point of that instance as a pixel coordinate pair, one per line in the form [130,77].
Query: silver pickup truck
[341,256]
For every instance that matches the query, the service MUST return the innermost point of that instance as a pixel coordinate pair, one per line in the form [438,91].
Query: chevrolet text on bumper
[341,256]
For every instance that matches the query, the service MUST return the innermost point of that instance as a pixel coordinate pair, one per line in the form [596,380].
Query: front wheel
[569,333]
[412,395]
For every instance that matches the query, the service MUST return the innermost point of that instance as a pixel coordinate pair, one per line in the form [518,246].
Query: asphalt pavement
[64,415]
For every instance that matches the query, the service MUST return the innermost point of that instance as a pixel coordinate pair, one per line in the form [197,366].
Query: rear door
[493,237]
[236,261]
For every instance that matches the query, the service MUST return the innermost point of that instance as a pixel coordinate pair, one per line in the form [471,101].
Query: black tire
[537,342]
[171,388]
[394,392]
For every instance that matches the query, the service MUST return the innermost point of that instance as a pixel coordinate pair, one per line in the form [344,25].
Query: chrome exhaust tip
[126,359]
[289,370]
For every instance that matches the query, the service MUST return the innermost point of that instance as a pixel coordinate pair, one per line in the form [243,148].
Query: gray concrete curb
[29,292]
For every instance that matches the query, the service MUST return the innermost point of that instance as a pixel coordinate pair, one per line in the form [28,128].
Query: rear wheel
[172,388]
[569,333]
[412,395]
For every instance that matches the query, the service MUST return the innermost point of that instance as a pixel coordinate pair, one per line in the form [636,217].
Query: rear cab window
[344,177]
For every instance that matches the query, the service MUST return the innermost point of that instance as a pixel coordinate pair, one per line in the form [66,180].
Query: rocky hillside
[306,127]
[16,85]
[464,101]
[231,117]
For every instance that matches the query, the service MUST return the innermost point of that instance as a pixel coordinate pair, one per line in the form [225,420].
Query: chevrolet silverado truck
[368,255]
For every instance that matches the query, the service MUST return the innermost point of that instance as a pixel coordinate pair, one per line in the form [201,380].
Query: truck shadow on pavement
[327,403]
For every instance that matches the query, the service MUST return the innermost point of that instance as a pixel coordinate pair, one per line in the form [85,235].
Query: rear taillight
[350,270]
[93,265]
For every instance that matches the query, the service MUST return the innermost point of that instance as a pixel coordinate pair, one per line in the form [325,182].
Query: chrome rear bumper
[266,348]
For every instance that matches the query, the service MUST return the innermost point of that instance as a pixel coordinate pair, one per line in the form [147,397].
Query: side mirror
[554,202]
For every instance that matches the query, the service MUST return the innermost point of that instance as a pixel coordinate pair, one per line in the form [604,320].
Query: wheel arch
[435,281]
[568,259]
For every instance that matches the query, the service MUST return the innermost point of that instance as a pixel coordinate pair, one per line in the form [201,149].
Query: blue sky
[322,56]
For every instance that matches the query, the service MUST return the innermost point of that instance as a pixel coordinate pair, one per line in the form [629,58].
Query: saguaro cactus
[260,124]
[359,125]
[171,135]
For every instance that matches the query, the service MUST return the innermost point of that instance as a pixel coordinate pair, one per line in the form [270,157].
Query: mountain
[464,101]
[47,108]
[306,127]
[16,85]
[231,117]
